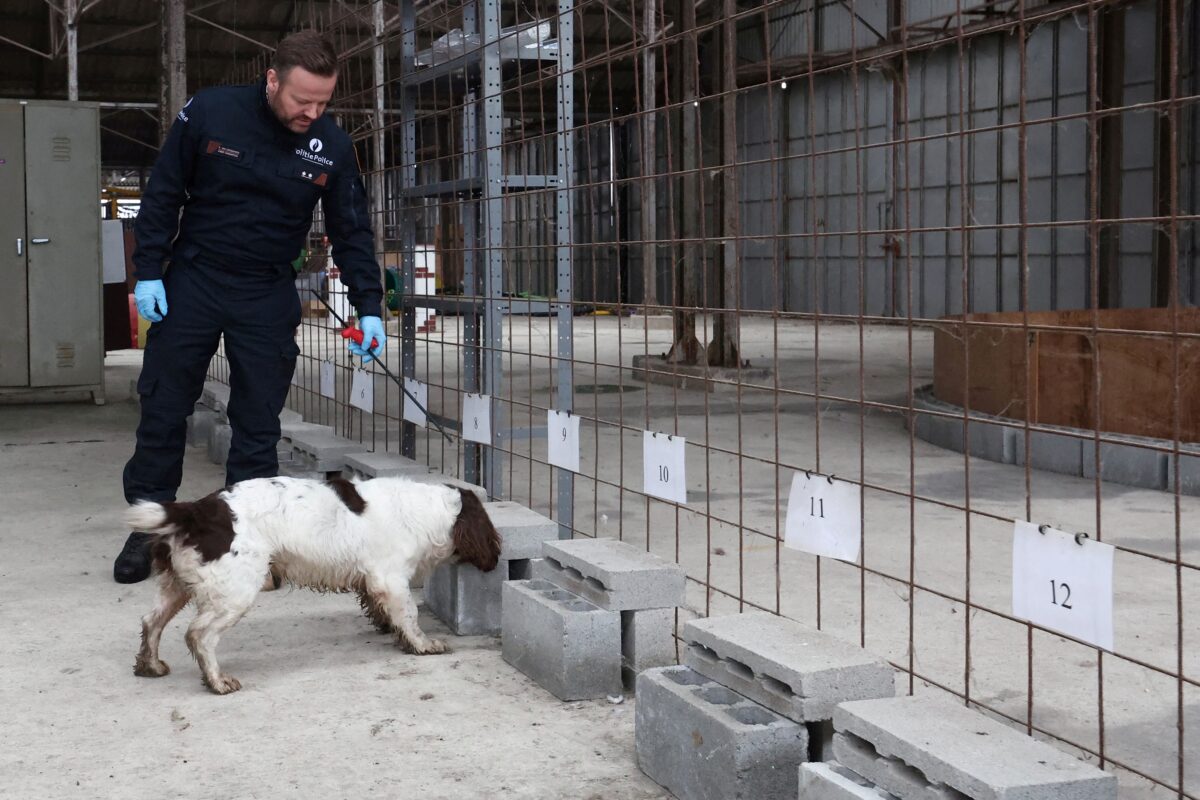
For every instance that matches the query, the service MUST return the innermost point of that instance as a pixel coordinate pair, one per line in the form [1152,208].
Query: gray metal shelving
[472,84]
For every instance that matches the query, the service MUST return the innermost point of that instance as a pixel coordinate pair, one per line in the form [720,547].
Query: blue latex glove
[372,328]
[147,294]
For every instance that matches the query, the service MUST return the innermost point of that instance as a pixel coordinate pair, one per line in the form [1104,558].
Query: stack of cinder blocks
[926,748]
[594,614]
[316,450]
[753,701]
[468,600]
[365,466]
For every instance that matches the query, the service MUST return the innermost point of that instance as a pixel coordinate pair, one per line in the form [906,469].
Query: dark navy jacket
[247,187]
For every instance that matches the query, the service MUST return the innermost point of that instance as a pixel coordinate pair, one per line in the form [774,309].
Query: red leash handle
[357,336]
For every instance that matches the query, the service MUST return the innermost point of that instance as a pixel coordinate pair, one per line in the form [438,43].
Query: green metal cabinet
[51,336]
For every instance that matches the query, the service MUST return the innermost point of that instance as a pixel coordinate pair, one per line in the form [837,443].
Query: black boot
[133,564]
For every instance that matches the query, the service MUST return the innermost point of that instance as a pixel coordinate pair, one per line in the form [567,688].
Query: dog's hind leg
[213,619]
[373,607]
[396,598]
[172,596]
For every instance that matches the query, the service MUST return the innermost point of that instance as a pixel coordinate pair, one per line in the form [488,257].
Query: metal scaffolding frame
[476,84]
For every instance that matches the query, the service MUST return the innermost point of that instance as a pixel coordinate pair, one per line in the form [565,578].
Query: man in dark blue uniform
[226,211]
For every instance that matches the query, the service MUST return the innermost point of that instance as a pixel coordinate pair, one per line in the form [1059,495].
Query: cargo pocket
[146,383]
[289,351]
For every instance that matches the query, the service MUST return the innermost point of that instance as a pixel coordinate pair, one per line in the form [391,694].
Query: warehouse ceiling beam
[27,48]
[89,6]
[136,30]
[127,137]
[230,31]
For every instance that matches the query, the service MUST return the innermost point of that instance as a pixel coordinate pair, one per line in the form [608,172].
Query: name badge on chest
[216,148]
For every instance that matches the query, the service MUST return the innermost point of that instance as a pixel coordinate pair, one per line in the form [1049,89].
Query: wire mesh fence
[941,252]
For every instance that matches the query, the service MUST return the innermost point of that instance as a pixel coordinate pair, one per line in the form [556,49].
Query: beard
[276,109]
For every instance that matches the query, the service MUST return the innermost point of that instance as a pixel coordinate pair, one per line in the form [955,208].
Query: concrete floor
[329,709]
[61,473]
[743,447]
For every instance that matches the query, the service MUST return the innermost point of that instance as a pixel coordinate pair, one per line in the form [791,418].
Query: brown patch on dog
[205,525]
[476,540]
[160,556]
[372,606]
[348,494]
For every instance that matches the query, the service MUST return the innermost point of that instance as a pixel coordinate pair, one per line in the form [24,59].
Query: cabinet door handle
[37,240]
[20,246]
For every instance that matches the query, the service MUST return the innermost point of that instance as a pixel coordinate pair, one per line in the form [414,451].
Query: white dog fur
[370,537]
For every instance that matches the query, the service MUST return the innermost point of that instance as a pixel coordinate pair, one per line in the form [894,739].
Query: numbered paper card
[412,412]
[328,379]
[663,466]
[1062,584]
[362,391]
[562,437]
[477,418]
[824,517]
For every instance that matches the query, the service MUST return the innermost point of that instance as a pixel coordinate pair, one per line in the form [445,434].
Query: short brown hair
[310,49]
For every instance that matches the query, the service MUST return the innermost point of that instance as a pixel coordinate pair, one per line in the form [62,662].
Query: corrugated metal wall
[833,137]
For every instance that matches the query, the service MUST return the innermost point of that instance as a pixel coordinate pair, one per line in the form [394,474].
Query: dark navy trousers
[258,312]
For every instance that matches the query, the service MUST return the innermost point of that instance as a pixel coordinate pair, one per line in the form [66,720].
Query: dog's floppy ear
[476,540]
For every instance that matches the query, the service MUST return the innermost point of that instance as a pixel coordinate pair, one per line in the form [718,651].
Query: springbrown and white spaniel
[369,537]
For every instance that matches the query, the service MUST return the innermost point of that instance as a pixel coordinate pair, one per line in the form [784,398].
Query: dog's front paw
[224,684]
[150,669]
[431,647]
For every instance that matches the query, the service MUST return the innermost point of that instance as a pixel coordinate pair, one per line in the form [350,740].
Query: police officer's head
[301,79]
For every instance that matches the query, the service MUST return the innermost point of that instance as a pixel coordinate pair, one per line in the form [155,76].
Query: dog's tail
[148,516]
[151,517]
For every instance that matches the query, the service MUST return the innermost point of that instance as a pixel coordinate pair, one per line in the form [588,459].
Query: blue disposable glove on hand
[147,294]
[372,328]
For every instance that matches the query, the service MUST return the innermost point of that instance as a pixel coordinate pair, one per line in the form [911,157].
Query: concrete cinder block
[1053,452]
[898,777]
[290,417]
[832,781]
[522,530]
[795,670]
[288,429]
[703,741]
[440,479]
[467,600]
[216,396]
[299,469]
[612,574]
[220,436]
[382,465]
[200,425]
[922,747]
[1126,464]
[324,450]
[647,641]
[569,646]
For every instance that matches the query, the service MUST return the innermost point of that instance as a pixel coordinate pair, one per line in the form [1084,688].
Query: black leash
[387,372]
